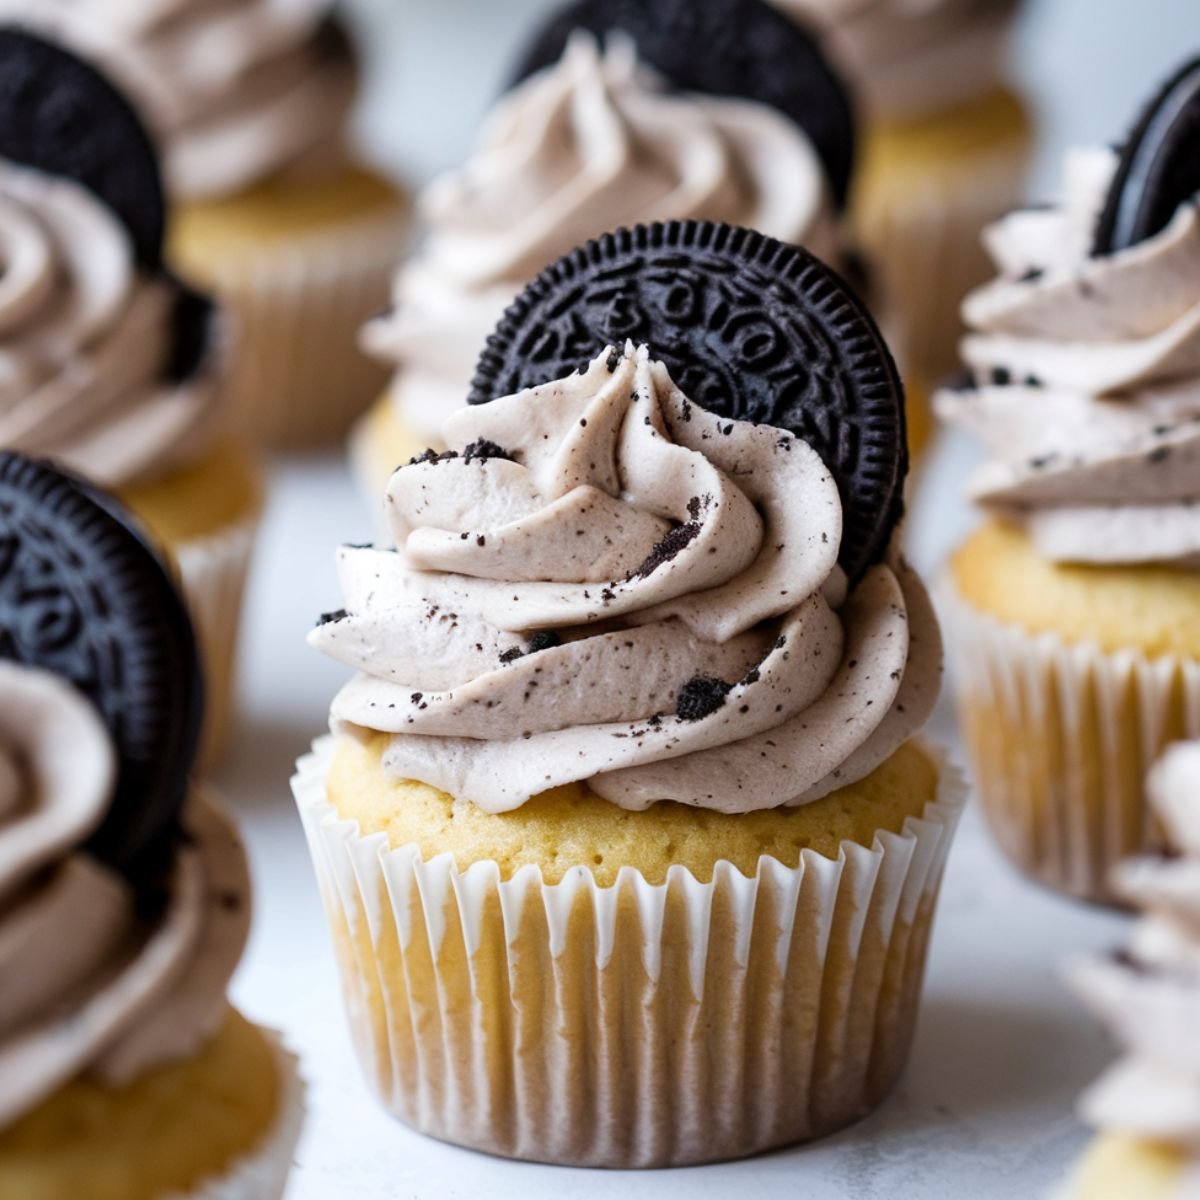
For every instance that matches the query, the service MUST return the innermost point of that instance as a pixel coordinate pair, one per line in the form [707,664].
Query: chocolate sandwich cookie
[745,49]
[1159,168]
[83,595]
[750,329]
[61,116]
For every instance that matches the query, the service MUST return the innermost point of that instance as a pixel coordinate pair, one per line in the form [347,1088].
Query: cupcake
[108,364]
[1147,1107]
[627,844]
[621,114]
[124,892]
[946,149]
[251,101]
[1074,608]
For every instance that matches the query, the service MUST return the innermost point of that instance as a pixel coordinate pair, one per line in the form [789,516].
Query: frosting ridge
[592,143]
[610,584]
[1086,375]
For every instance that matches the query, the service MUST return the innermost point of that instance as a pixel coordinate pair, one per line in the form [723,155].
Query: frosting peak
[592,143]
[1087,380]
[612,585]
[1150,994]
[86,339]
[92,982]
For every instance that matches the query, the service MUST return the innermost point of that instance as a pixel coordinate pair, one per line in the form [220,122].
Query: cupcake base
[1062,728]
[1122,1168]
[301,266]
[637,1024]
[220,1126]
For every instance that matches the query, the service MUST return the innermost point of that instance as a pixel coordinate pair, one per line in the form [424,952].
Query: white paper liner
[634,1025]
[213,571]
[924,235]
[298,376]
[263,1174]
[1061,737]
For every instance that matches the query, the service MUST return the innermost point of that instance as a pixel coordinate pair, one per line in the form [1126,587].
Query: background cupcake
[124,894]
[619,743]
[945,151]
[251,101]
[108,364]
[1075,607]
[1147,1107]
[604,129]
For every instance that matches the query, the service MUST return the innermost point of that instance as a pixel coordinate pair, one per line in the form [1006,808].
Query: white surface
[985,1110]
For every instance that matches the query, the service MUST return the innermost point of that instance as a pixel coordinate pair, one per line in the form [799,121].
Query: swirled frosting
[1087,381]
[96,980]
[590,144]
[610,584]
[914,58]
[1149,995]
[237,90]
[85,341]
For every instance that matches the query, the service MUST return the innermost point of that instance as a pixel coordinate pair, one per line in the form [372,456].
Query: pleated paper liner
[1061,737]
[263,1174]
[633,1025]
[213,571]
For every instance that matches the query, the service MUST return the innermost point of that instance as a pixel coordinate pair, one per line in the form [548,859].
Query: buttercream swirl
[93,983]
[237,90]
[914,58]
[1149,995]
[590,144]
[1087,373]
[85,341]
[636,594]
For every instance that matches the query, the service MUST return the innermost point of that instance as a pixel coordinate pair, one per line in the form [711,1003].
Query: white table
[985,1110]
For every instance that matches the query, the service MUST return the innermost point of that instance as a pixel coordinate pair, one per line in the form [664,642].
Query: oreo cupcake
[251,101]
[108,364]
[622,112]
[628,849]
[1147,1107]
[1074,608]
[945,153]
[124,893]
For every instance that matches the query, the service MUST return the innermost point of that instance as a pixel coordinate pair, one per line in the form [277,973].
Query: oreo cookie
[59,115]
[750,328]
[83,595]
[1159,167]
[741,48]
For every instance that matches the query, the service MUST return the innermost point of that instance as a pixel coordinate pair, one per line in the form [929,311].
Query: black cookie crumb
[482,450]
[331,618]
[676,541]
[700,697]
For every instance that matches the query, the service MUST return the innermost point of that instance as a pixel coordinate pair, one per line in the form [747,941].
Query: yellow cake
[163,1135]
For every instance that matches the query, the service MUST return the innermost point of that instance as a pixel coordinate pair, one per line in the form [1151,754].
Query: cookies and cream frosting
[1149,994]
[1086,380]
[86,338]
[913,58]
[98,982]
[603,582]
[237,90]
[592,143]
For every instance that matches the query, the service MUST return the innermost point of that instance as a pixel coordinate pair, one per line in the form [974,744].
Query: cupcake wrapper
[633,1025]
[299,378]
[213,573]
[1062,737]
[263,1174]
[933,233]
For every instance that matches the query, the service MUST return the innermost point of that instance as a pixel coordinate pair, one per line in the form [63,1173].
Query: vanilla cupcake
[628,849]
[1074,610]
[108,364]
[124,893]
[1147,1107]
[251,100]
[945,153]
[595,136]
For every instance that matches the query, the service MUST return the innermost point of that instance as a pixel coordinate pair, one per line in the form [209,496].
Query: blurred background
[433,66]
